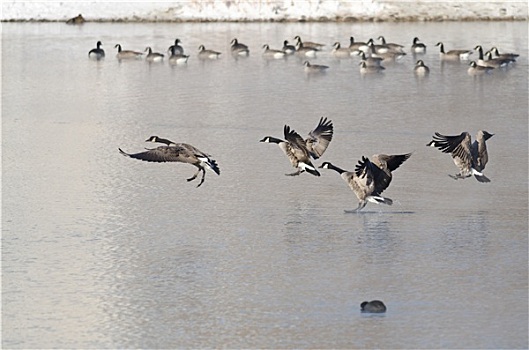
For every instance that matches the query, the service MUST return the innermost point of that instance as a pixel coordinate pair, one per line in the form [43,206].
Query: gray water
[104,251]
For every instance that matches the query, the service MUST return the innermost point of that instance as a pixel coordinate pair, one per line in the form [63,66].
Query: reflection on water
[102,251]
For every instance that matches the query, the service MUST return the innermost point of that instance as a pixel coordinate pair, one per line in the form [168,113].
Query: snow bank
[265,10]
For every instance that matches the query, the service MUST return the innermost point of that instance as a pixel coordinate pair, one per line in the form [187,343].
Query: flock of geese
[372,55]
[368,180]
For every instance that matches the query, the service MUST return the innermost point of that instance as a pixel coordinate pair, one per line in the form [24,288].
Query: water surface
[102,251]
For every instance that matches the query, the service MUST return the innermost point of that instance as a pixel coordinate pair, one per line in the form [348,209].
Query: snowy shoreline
[263,10]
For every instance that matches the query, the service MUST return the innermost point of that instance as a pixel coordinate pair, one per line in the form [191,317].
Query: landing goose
[177,152]
[127,54]
[370,178]
[453,54]
[310,44]
[97,53]
[300,151]
[374,306]
[153,56]
[238,48]
[470,158]
[314,68]
[272,53]
[421,69]
[178,49]
[204,53]
[417,47]
[476,69]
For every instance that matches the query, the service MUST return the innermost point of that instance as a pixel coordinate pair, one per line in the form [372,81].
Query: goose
[127,54]
[357,45]
[177,152]
[476,69]
[365,69]
[238,48]
[79,19]
[288,49]
[376,48]
[385,55]
[271,53]
[314,68]
[305,51]
[496,62]
[374,306]
[153,56]
[340,52]
[417,47]
[97,53]
[470,158]
[178,49]
[370,61]
[310,44]
[510,56]
[177,58]
[204,53]
[370,178]
[453,54]
[300,151]
[391,46]
[421,69]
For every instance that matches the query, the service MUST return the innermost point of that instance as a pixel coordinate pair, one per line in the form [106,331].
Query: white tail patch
[475,172]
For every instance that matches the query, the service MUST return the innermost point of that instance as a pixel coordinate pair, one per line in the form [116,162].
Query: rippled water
[102,251]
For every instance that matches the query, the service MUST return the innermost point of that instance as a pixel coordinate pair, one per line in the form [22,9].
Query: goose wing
[319,138]
[458,146]
[383,166]
[297,144]
[162,154]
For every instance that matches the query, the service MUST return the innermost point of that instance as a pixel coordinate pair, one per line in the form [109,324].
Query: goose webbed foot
[295,173]
[194,176]
[202,179]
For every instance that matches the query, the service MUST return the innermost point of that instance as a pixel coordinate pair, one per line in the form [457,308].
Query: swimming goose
[370,60]
[365,69]
[496,62]
[313,146]
[314,68]
[178,49]
[79,19]
[288,49]
[417,47]
[153,56]
[361,182]
[340,52]
[510,56]
[177,58]
[391,46]
[388,55]
[310,44]
[305,51]
[421,69]
[374,306]
[453,54]
[239,49]
[273,54]
[177,152]
[470,158]
[357,45]
[204,53]
[127,54]
[476,69]
[97,53]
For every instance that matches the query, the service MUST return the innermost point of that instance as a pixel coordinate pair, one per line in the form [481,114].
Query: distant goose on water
[476,69]
[177,152]
[204,53]
[421,69]
[453,54]
[97,53]
[272,54]
[374,306]
[127,54]
[417,47]
[176,48]
[300,151]
[309,44]
[314,68]
[470,158]
[238,48]
[153,56]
